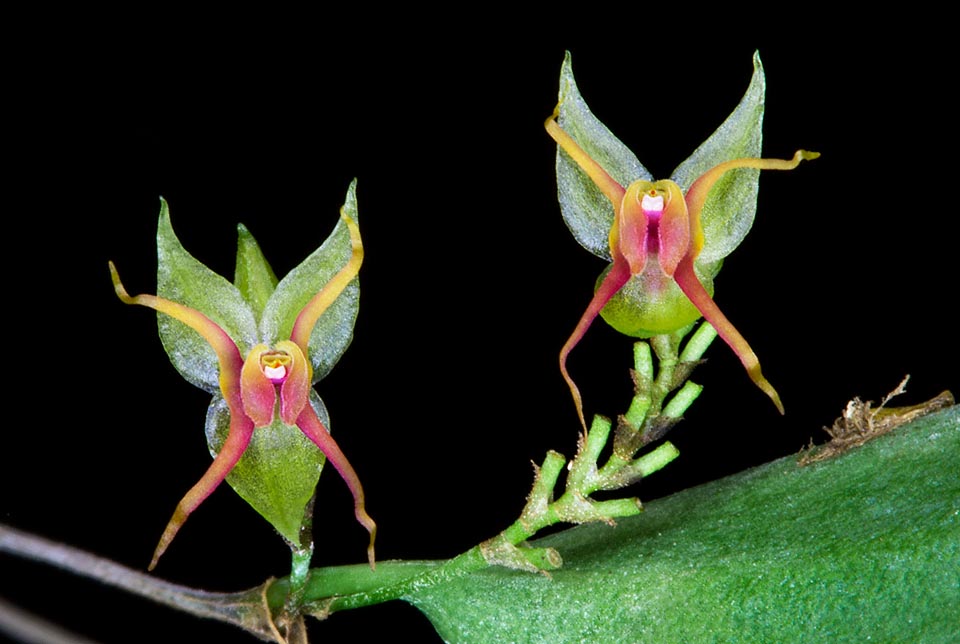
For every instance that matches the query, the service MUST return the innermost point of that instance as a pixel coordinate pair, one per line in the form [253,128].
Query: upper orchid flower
[667,238]
[266,339]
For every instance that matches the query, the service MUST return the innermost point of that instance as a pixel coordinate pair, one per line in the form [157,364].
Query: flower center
[274,365]
[652,203]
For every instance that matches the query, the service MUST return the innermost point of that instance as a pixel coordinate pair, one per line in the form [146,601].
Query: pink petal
[295,390]
[613,282]
[258,392]
[313,428]
[687,281]
[241,429]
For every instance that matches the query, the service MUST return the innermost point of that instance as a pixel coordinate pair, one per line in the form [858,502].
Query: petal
[258,392]
[613,282]
[319,303]
[241,429]
[310,425]
[228,355]
[295,390]
[687,281]
[697,194]
[333,330]
[633,227]
[607,184]
[674,230]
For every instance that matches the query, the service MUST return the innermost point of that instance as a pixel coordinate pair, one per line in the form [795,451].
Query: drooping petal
[241,429]
[613,282]
[295,390]
[228,355]
[697,194]
[687,281]
[319,303]
[310,425]
[258,392]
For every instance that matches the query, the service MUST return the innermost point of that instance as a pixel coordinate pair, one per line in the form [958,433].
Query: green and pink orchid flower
[666,239]
[259,345]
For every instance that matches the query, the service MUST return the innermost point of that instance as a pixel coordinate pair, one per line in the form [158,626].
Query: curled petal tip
[765,387]
[176,521]
[806,155]
[371,527]
[118,286]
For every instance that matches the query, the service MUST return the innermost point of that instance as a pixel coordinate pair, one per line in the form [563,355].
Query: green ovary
[652,304]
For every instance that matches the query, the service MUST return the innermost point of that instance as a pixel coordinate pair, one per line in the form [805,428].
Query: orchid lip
[652,204]
[275,365]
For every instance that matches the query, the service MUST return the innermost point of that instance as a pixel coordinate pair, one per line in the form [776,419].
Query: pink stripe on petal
[674,228]
[241,429]
[613,282]
[633,226]
[295,390]
[688,282]
[258,392]
[308,316]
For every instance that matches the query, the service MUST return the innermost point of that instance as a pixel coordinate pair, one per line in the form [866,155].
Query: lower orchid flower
[667,238]
[260,384]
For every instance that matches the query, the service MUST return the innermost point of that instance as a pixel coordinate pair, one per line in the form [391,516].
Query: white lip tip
[275,373]
[652,203]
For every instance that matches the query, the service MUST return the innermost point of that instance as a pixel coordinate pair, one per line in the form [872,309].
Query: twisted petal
[320,302]
[241,427]
[613,282]
[313,428]
[687,281]
[226,349]
[697,194]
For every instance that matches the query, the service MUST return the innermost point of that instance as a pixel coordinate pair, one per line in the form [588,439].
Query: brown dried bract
[861,423]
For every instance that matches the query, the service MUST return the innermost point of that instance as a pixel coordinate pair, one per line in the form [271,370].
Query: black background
[471,281]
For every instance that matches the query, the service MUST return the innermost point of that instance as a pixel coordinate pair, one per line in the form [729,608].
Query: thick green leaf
[588,213]
[332,334]
[253,276]
[183,279]
[729,210]
[278,473]
[865,547]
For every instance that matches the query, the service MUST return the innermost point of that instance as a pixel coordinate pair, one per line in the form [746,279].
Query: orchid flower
[262,377]
[666,239]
